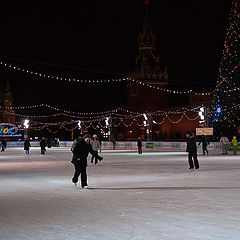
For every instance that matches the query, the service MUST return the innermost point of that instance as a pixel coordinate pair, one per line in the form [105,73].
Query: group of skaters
[27,145]
[43,144]
[225,145]
[85,144]
[192,147]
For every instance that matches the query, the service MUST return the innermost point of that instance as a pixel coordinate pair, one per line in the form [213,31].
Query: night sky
[102,35]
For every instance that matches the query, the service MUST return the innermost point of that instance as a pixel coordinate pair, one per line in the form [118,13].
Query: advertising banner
[204,131]
[149,145]
[8,130]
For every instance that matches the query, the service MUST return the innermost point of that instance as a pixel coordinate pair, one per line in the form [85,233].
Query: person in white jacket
[224,143]
[95,146]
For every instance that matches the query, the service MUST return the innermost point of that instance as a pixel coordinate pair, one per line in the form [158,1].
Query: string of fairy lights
[101,123]
[98,81]
[97,120]
[115,111]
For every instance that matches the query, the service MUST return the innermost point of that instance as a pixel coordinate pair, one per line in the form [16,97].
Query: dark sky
[102,35]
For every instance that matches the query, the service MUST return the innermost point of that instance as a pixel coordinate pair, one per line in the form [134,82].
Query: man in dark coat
[4,145]
[80,154]
[192,151]
[27,146]
[205,142]
[139,144]
[43,146]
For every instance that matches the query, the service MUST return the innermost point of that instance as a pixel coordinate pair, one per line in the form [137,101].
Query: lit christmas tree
[226,107]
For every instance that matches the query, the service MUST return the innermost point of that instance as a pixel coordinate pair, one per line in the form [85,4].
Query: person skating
[43,145]
[139,144]
[80,154]
[192,151]
[4,145]
[57,142]
[234,143]
[27,146]
[95,146]
[205,142]
[224,144]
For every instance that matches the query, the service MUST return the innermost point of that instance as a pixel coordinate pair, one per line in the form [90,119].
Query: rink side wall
[147,146]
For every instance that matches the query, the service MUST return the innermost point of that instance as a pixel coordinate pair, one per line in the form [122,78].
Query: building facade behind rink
[150,70]
[6,100]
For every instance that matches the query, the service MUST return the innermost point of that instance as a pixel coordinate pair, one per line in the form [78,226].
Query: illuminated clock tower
[6,100]
[148,69]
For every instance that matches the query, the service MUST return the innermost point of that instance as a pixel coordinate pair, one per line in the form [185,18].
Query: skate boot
[75,184]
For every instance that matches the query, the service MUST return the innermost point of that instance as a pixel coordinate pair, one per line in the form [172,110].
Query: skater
[27,146]
[224,144]
[234,143]
[57,142]
[192,151]
[114,144]
[80,154]
[95,146]
[43,146]
[139,144]
[204,141]
[4,145]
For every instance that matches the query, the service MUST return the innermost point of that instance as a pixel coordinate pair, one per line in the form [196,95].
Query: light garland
[100,123]
[89,114]
[112,115]
[181,92]
[117,80]
[60,109]
[61,78]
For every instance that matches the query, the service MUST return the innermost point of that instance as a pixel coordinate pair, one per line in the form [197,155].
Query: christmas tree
[226,107]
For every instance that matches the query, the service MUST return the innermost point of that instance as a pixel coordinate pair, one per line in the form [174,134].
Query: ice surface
[131,197]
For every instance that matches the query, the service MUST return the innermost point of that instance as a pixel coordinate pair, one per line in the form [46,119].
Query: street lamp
[80,125]
[145,116]
[26,126]
[148,124]
[203,115]
[26,123]
[108,127]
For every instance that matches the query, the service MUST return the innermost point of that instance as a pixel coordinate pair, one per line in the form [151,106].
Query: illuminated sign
[204,131]
[8,130]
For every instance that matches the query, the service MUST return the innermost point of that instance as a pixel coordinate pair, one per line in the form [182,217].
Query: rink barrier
[127,145]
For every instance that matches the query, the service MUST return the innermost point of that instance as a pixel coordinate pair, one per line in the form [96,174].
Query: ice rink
[131,197]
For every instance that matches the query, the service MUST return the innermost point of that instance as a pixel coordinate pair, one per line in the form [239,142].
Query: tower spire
[147,28]
[148,67]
